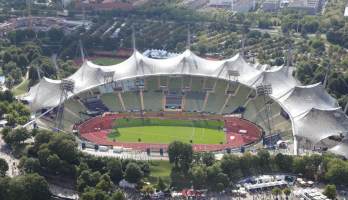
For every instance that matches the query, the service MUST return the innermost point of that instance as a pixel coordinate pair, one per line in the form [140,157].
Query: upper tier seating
[112,101]
[194,101]
[237,100]
[217,98]
[94,104]
[132,101]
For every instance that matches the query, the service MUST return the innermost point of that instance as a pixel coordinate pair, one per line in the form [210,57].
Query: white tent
[340,149]
[317,124]
[313,112]
[303,98]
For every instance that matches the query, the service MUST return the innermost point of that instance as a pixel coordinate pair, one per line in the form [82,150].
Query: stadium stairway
[153,100]
[194,101]
[209,84]
[132,100]
[75,106]
[236,100]
[216,98]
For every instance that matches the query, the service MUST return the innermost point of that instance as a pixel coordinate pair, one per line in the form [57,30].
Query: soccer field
[165,134]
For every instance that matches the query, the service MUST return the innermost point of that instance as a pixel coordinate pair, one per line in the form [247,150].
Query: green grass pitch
[165,131]
[106,61]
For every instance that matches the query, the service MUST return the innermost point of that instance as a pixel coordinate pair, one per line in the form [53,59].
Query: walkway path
[5,153]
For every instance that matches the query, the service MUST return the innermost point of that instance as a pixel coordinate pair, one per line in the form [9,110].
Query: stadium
[144,103]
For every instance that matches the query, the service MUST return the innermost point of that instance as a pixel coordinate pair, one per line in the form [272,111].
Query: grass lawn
[105,61]
[167,134]
[160,168]
[21,88]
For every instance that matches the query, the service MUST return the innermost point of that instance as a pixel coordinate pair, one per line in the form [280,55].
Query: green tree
[114,167]
[208,158]
[29,187]
[287,192]
[3,167]
[160,184]
[180,154]
[230,165]
[147,190]
[198,174]
[133,173]
[29,165]
[118,195]
[53,163]
[330,191]
[4,187]
[16,136]
[276,192]
[284,162]
[337,171]
[105,183]
[264,160]
[217,180]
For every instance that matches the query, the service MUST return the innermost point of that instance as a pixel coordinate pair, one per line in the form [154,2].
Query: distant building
[105,5]
[194,4]
[309,6]
[234,5]
[158,54]
[271,5]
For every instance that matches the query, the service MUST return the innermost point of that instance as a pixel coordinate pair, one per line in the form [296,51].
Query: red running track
[96,130]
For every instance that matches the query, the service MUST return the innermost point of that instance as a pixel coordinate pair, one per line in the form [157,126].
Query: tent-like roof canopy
[340,149]
[313,112]
[317,124]
[303,98]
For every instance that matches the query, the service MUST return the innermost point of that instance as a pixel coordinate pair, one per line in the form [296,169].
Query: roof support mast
[188,44]
[266,90]
[30,22]
[133,39]
[66,87]
[82,51]
[327,75]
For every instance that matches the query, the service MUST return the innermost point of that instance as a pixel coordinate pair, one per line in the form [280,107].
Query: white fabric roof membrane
[317,124]
[340,149]
[91,75]
[247,74]
[280,79]
[303,98]
[312,110]
[45,94]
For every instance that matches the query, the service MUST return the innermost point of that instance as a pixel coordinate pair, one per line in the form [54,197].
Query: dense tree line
[26,50]
[56,154]
[204,172]
[24,187]
[11,110]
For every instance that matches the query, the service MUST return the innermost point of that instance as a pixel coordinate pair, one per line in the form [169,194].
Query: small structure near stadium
[190,84]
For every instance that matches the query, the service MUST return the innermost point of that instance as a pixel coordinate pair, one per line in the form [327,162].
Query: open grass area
[166,131]
[209,124]
[21,88]
[160,168]
[168,134]
[105,61]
